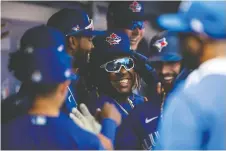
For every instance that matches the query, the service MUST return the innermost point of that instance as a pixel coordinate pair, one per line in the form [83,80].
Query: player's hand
[107,144]
[85,120]
[110,111]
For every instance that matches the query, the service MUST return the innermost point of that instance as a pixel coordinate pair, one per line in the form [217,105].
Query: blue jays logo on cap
[135,7]
[113,39]
[160,44]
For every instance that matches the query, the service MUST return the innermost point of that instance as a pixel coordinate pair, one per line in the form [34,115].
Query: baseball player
[139,130]
[47,68]
[129,17]
[79,31]
[195,116]
[166,58]
[114,73]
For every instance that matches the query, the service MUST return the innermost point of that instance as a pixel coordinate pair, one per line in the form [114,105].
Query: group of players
[88,89]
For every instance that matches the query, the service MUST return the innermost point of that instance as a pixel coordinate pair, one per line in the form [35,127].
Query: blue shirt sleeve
[109,128]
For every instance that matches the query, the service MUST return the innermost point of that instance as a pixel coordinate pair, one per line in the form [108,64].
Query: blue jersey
[124,108]
[18,104]
[195,117]
[46,133]
[140,129]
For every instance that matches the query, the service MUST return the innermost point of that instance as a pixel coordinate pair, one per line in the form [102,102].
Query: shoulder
[208,91]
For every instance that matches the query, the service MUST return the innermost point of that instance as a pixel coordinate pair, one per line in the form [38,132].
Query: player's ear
[73,42]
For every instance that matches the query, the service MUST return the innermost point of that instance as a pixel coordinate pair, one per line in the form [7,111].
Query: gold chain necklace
[122,108]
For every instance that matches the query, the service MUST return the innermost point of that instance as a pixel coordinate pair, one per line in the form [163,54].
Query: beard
[81,61]
[168,85]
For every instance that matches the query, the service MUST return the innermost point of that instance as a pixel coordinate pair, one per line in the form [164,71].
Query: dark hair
[19,62]
[20,66]
[43,90]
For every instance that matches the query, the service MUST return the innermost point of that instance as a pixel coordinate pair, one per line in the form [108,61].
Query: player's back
[46,133]
[210,100]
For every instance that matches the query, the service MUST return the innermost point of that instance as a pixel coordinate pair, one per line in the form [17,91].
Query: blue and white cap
[48,61]
[208,17]
[165,47]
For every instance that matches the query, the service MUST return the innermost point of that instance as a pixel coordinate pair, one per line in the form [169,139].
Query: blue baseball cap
[126,13]
[208,17]
[165,47]
[47,60]
[73,22]
[110,45]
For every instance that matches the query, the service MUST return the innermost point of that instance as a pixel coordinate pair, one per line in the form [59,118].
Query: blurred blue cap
[208,17]
[110,45]
[74,22]
[165,47]
[48,60]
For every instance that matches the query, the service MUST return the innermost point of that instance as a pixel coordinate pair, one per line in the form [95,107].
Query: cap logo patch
[90,26]
[135,7]
[113,39]
[159,44]
[76,28]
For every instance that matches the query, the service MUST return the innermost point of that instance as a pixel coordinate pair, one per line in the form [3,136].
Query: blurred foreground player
[195,117]
[47,68]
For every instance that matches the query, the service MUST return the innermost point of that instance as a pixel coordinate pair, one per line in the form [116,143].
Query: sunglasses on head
[136,24]
[116,65]
[132,25]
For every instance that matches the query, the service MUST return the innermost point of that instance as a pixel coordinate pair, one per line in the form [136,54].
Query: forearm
[109,127]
